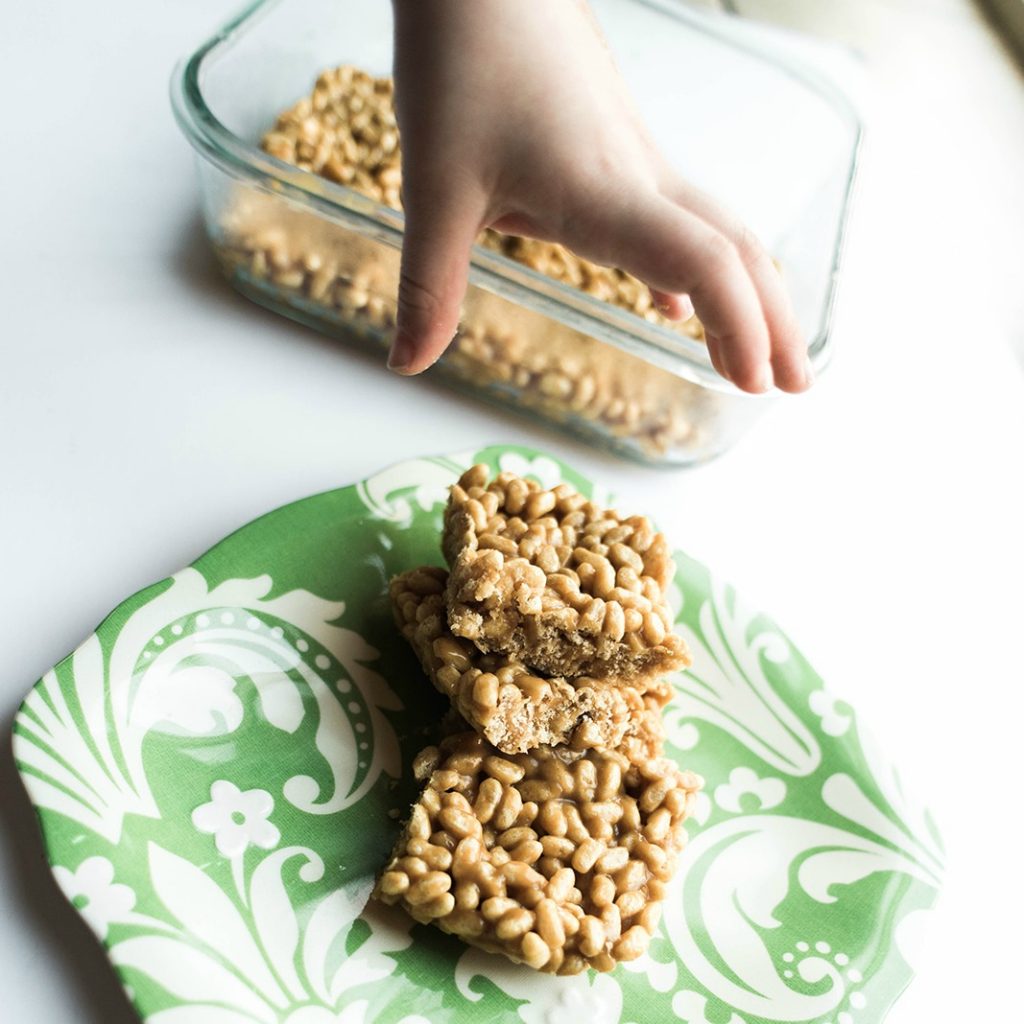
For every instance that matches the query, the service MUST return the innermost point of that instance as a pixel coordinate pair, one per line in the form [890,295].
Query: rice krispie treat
[555,858]
[557,582]
[511,706]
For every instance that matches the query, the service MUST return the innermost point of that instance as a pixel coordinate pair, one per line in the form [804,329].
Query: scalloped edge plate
[218,774]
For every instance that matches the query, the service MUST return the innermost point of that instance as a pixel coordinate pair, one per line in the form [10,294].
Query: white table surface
[146,411]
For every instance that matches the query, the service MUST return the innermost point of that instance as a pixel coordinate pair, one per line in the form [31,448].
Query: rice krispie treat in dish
[557,582]
[511,706]
[556,859]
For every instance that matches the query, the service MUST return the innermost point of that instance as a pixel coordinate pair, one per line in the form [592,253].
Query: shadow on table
[44,916]
[194,265]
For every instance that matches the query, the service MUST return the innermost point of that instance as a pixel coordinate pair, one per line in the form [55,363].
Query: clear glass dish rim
[492,271]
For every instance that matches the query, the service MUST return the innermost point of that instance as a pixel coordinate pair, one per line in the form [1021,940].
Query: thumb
[435,266]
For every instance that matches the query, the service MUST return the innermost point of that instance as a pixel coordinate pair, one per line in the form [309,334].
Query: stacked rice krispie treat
[550,821]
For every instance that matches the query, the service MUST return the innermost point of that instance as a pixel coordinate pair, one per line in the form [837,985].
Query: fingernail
[764,379]
[402,351]
[715,355]
[686,309]
[808,371]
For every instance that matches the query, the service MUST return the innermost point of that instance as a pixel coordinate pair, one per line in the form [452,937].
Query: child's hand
[513,116]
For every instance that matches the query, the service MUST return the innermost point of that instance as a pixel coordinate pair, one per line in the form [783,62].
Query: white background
[146,411]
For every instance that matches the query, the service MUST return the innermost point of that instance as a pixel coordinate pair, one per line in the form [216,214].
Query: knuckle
[749,248]
[718,255]
[417,301]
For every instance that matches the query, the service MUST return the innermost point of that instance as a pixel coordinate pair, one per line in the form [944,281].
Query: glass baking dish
[773,140]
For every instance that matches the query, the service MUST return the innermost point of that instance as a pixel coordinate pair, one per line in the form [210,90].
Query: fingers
[435,264]
[672,307]
[790,365]
[676,252]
